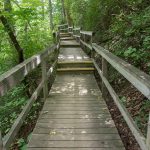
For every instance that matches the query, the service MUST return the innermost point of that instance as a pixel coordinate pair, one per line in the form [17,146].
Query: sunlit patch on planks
[75,116]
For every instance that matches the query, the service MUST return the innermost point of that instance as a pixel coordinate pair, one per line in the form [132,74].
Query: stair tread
[69,69]
[75,62]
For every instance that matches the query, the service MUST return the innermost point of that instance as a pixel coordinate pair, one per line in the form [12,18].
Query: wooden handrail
[130,122]
[14,76]
[139,79]
[90,33]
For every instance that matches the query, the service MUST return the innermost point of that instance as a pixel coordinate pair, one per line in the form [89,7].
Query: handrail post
[44,79]
[148,134]
[1,142]
[91,54]
[105,74]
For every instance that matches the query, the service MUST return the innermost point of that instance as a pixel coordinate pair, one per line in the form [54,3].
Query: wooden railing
[139,79]
[17,74]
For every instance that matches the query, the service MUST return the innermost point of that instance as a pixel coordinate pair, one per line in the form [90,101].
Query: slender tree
[12,36]
[63,11]
[51,15]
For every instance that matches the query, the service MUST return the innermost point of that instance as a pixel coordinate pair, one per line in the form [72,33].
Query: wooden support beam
[135,76]
[105,74]
[127,117]
[1,142]
[44,79]
[148,134]
[14,76]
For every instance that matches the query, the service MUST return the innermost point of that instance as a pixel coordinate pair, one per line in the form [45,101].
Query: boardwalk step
[81,64]
[71,43]
[81,70]
[66,38]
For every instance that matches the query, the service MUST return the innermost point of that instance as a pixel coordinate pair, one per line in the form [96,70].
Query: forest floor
[134,103]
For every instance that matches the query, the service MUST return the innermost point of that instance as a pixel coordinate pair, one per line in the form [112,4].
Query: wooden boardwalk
[75,116]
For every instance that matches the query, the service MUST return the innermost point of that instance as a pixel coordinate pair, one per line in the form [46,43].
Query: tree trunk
[51,15]
[13,38]
[69,19]
[63,11]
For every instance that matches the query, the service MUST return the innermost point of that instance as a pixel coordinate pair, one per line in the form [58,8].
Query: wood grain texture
[78,121]
[138,78]
[75,116]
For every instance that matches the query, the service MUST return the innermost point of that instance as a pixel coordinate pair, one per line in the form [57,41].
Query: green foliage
[10,106]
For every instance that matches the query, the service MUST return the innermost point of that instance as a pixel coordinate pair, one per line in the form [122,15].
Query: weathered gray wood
[76,131]
[89,115]
[8,139]
[1,142]
[75,115]
[69,121]
[85,44]
[148,134]
[129,120]
[90,33]
[116,148]
[76,36]
[75,144]
[105,74]
[138,78]
[72,116]
[14,76]
[75,126]
[44,79]
[71,43]
[76,137]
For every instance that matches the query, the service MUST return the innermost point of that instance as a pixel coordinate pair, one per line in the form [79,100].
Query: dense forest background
[27,27]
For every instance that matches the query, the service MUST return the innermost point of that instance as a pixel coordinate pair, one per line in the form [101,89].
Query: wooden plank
[138,78]
[75,126]
[105,74]
[90,33]
[148,134]
[75,69]
[79,144]
[14,76]
[129,120]
[70,137]
[75,121]
[76,131]
[75,29]
[56,105]
[80,148]
[89,115]
[69,43]
[75,112]
[44,79]
[104,109]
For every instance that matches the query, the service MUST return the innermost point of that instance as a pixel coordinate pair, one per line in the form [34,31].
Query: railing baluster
[44,78]
[105,74]
[148,134]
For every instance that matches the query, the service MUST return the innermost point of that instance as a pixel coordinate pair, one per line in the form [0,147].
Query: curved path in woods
[75,116]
